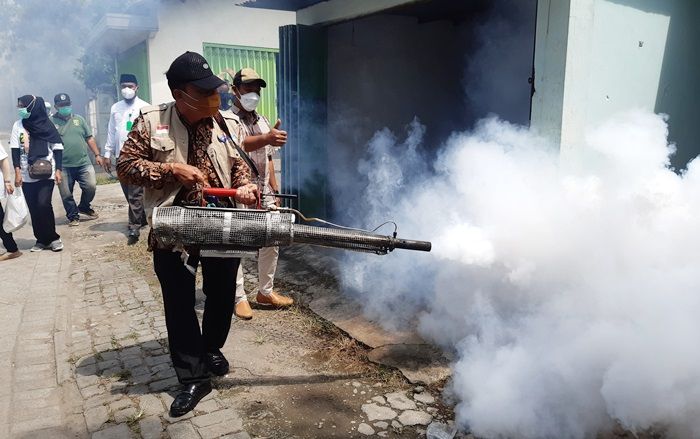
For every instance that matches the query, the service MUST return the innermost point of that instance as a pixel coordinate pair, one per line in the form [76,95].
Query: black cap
[128,77]
[61,99]
[192,68]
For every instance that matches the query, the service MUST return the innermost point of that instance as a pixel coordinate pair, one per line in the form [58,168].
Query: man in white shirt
[121,119]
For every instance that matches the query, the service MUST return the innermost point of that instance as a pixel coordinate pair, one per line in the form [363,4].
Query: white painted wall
[596,58]
[186,26]
[613,63]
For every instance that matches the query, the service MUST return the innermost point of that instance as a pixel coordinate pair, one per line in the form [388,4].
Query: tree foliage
[50,27]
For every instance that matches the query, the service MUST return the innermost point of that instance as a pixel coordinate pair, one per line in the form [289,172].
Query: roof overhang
[325,12]
[115,33]
[281,5]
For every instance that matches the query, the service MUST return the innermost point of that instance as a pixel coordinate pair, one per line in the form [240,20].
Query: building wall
[679,86]
[550,67]
[187,25]
[385,70]
[336,10]
[626,54]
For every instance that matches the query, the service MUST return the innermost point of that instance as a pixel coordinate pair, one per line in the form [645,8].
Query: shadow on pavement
[53,433]
[146,368]
[118,226]
[24,244]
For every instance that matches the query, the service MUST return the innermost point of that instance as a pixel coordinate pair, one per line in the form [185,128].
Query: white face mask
[250,101]
[128,93]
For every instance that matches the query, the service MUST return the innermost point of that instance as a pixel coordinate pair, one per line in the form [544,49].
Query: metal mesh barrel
[250,229]
[221,227]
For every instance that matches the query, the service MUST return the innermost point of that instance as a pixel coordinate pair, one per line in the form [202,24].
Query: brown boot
[7,256]
[275,299]
[243,311]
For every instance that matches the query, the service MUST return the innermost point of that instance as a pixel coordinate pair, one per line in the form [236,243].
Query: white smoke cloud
[568,290]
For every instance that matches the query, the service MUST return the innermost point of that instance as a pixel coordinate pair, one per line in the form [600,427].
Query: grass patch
[133,423]
[114,342]
[123,375]
[105,179]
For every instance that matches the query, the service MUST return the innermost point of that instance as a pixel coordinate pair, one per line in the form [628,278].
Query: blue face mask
[65,111]
[226,101]
[23,113]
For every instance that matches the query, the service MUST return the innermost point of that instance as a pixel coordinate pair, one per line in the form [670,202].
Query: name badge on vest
[223,139]
[162,130]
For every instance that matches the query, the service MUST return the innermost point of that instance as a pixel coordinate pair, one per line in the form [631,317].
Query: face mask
[249,101]
[204,107]
[65,111]
[226,100]
[128,93]
[23,113]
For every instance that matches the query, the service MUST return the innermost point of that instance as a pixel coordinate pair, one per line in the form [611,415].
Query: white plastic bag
[16,211]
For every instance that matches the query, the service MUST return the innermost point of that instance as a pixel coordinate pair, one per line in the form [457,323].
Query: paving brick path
[82,344]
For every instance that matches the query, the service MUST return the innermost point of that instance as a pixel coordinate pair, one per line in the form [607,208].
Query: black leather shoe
[188,399]
[132,239]
[217,363]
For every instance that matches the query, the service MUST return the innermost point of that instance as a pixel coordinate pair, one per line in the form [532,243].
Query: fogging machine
[222,232]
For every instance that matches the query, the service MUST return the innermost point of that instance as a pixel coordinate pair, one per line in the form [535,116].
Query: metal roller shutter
[262,60]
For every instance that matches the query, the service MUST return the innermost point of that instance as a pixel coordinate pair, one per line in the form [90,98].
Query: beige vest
[170,144]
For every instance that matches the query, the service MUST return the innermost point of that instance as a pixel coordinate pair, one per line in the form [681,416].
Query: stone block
[151,405]
[151,427]
[96,417]
[218,430]
[182,430]
[228,416]
[120,431]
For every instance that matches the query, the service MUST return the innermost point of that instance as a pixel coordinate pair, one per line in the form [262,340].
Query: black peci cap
[61,99]
[192,68]
[128,77]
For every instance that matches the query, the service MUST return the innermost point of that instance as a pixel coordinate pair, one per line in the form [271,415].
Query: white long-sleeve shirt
[121,114]
[16,143]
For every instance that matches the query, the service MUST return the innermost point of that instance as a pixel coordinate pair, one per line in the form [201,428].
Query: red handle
[224,192]
[219,192]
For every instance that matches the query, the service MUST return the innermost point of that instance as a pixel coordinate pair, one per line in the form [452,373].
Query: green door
[222,57]
[135,61]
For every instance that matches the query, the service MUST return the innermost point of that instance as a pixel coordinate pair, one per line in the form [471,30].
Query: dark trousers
[188,343]
[38,196]
[85,177]
[7,240]
[137,216]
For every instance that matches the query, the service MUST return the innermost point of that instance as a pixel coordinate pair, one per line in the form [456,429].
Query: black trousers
[7,240]
[137,215]
[188,343]
[38,196]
